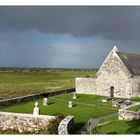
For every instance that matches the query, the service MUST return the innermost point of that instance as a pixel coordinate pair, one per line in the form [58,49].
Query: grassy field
[116,126]
[21,82]
[92,107]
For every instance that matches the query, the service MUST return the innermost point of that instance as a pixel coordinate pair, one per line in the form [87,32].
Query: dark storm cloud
[76,37]
[113,23]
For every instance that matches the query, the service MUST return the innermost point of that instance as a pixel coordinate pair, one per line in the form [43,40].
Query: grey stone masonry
[113,79]
[113,73]
[66,125]
[128,115]
[86,85]
[125,114]
[24,123]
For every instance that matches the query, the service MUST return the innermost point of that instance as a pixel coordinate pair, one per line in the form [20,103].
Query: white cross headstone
[70,104]
[45,101]
[36,109]
[74,95]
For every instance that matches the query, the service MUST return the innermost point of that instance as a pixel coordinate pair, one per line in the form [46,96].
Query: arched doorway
[112,91]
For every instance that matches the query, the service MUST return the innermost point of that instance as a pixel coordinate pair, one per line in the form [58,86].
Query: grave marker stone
[45,102]
[74,95]
[70,104]
[36,109]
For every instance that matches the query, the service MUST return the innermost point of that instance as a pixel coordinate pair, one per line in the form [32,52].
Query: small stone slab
[121,101]
[107,99]
[116,103]
[45,101]
[126,103]
[70,104]
[74,96]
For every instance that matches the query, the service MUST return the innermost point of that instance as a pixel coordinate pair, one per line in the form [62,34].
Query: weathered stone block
[24,122]
[66,125]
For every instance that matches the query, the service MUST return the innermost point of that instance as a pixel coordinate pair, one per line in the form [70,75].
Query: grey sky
[77,37]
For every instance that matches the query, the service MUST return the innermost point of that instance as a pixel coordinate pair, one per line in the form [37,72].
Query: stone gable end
[113,74]
[113,79]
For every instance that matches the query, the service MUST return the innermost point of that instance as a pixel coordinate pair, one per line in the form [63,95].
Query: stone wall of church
[136,85]
[86,85]
[113,73]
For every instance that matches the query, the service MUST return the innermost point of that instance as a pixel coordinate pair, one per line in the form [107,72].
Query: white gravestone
[70,104]
[45,101]
[104,100]
[74,95]
[36,109]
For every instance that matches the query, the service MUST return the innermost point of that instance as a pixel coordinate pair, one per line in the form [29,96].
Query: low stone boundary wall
[24,123]
[128,115]
[34,96]
[66,125]
[125,114]
[133,105]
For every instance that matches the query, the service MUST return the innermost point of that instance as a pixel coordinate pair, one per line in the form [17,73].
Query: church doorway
[111,91]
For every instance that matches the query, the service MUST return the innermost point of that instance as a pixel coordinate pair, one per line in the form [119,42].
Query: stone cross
[36,109]
[74,95]
[45,101]
[70,104]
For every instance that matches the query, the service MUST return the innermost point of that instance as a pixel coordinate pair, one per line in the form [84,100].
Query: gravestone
[70,104]
[45,102]
[36,109]
[74,95]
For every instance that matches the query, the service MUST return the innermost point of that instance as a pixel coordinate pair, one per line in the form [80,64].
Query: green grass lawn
[59,105]
[15,83]
[116,126]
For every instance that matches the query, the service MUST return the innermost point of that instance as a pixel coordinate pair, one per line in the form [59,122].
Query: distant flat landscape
[17,82]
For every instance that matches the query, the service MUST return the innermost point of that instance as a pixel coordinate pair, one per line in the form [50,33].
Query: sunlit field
[22,82]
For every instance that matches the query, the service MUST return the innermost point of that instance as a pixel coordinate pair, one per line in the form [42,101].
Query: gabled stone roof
[131,61]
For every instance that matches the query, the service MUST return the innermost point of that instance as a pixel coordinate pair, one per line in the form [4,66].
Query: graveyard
[23,82]
[83,107]
[115,126]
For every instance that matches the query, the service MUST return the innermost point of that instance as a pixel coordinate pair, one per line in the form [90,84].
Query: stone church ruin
[118,76]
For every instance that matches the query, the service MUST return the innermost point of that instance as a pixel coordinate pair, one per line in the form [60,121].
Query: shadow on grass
[77,127]
[77,97]
[74,105]
[111,133]
[51,103]
[134,127]
[5,132]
